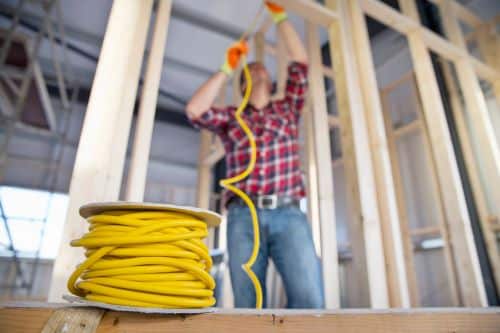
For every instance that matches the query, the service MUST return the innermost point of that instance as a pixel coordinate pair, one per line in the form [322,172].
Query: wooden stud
[146,117]
[350,106]
[393,244]
[400,196]
[451,269]
[97,174]
[312,177]
[471,281]
[473,172]
[489,46]
[324,180]
[204,171]
[475,104]
[406,25]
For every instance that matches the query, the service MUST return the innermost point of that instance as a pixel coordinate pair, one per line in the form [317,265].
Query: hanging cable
[228,184]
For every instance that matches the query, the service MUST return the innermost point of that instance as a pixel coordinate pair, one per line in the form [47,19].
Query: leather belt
[270,201]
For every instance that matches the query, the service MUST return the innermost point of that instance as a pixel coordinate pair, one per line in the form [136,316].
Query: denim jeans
[285,237]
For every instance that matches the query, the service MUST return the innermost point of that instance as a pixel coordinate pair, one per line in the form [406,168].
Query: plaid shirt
[277,170]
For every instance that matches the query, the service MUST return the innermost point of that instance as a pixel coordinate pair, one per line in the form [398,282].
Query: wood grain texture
[14,320]
[74,320]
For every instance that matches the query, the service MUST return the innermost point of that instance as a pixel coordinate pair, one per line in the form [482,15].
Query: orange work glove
[277,12]
[233,56]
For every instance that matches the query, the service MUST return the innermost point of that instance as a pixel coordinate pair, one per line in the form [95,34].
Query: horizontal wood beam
[31,319]
[405,25]
[406,129]
[426,231]
[310,10]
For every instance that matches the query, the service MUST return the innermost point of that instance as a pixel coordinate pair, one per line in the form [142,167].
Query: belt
[270,201]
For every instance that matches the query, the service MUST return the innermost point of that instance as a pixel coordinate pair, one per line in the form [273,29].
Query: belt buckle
[262,201]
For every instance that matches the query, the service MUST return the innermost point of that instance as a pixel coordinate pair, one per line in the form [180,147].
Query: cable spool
[145,255]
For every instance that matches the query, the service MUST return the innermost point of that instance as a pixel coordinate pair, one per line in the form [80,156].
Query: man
[276,184]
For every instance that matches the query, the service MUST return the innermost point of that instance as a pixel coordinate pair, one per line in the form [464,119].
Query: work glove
[233,56]
[277,12]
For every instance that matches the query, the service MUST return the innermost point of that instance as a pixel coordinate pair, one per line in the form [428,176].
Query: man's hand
[233,56]
[277,12]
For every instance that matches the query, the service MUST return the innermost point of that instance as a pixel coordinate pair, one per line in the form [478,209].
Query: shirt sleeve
[296,87]
[214,119]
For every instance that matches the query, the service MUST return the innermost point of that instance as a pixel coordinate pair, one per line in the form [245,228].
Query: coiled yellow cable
[228,184]
[147,259]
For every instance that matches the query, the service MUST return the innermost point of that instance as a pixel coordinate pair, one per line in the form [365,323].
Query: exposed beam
[324,173]
[310,10]
[458,219]
[104,134]
[136,182]
[405,25]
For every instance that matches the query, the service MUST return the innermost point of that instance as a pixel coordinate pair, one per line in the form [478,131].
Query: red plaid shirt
[275,127]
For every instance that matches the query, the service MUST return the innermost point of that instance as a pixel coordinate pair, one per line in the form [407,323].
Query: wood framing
[32,317]
[319,117]
[465,254]
[390,219]
[310,10]
[407,25]
[136,182]
[97,174]
[352,118]
[473,172]
[402,208]
[475,102]
[204,171]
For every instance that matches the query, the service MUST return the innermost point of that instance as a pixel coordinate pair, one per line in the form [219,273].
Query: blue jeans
[285,237]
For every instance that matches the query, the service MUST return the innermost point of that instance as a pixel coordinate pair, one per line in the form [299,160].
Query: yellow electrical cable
[147,259]
[228,184]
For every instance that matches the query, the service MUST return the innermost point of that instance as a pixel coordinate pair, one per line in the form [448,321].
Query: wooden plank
[352,116]
[390,219]
[204,172]
[426,231]
[310,10]
[489,46]
[74,320]
[139,159]
[319,117]
[312,176]
[476,107]
[408,129]
[451,268]
[97,174]
[401,202]
[426,320]
[406,25]
[465,253]
[473,172]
